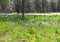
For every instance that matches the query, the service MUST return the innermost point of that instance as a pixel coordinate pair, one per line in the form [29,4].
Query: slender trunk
[22,9]
[37,10]
[42,6]
[17,9]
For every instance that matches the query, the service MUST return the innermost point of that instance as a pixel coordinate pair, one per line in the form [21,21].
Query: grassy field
[40,28]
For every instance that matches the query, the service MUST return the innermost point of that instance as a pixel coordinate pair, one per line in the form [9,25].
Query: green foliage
[58,40]
[37,39]
[32,29]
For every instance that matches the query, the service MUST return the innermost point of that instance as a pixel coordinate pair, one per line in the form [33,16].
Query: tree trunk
[17,6]
[22,9]
[42,6]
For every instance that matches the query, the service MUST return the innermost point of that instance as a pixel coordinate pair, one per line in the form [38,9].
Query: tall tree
[58,6]
[23,2]
[27,5]
[44,2]
[37,5]
[4,4]
[53,6]
[17,5]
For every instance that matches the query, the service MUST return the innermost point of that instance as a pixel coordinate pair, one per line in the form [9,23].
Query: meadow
[34,28]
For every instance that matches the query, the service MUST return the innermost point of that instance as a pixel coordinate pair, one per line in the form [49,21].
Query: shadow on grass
[12,18]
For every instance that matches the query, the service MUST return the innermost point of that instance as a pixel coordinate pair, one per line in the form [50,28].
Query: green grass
[32,29]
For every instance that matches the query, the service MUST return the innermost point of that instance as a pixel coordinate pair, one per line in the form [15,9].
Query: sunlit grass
[32,29]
